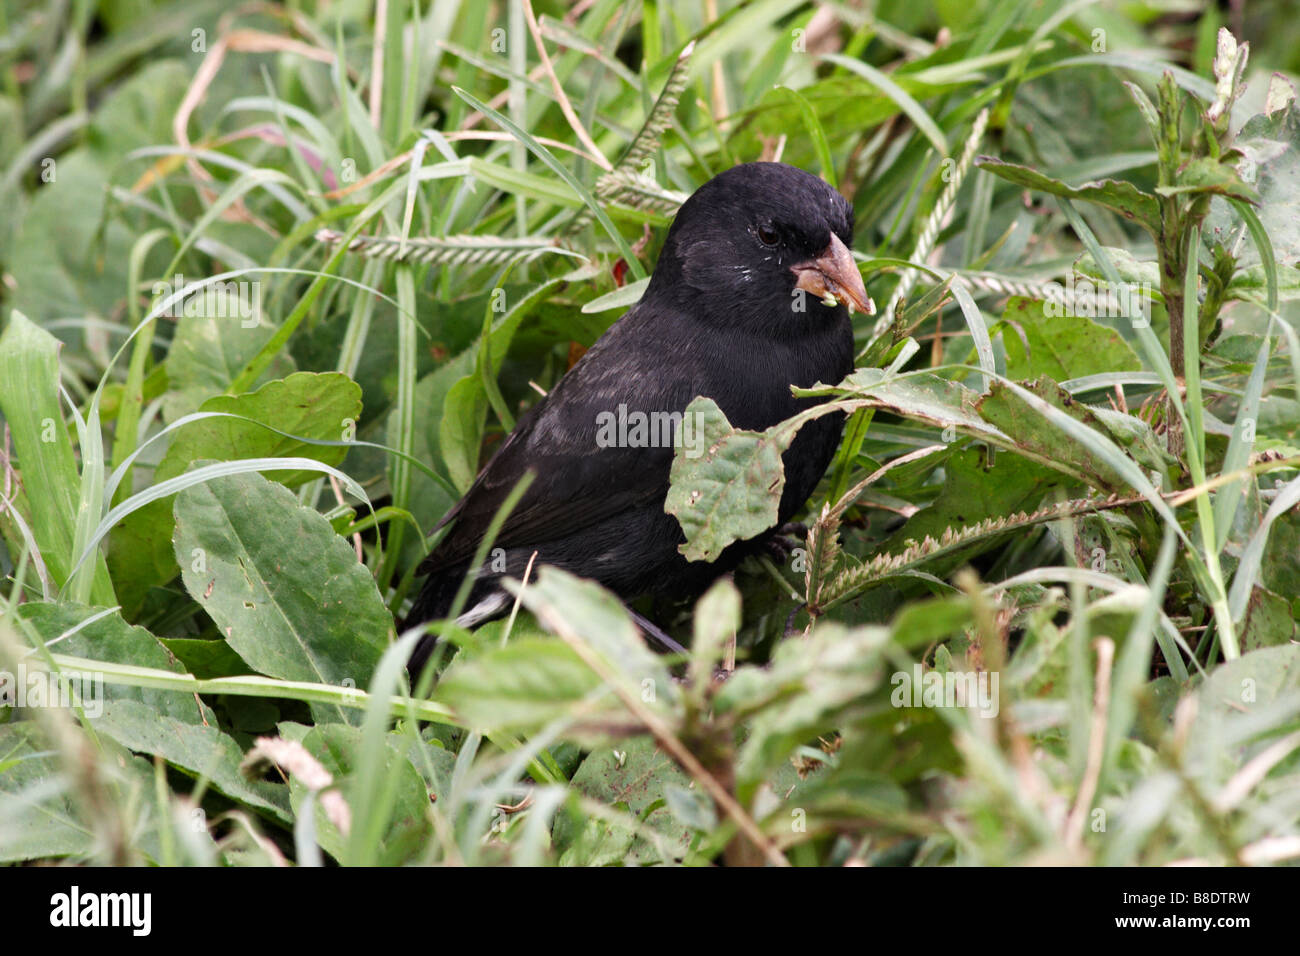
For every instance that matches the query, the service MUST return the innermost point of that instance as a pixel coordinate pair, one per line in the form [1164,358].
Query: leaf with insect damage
[726,482]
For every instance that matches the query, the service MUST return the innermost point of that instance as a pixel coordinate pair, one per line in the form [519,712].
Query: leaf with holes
[729,493]
[1043,440]
[286,592]
[634,777]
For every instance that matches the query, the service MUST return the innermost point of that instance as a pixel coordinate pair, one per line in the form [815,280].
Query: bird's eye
[767,235]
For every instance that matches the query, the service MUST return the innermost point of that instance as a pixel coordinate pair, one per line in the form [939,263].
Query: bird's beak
[835,275]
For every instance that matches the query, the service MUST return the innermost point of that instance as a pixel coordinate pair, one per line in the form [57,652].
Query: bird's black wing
[643,363]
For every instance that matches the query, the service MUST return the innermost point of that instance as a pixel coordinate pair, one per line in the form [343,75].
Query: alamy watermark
[1083,298]
[213,300]
[133,911]
[975,690]
[41,688]
[655,429]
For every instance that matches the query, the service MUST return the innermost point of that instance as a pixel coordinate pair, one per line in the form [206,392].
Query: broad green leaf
[1252,555]
[847,792]
[136,112]
[460,430]
[1251,284]
[199,749]
[1280,564]
[210,345]
[1270,160]
[109,638]
[1234,702]
[732,491]
[1136,437]
[633,775]
[1251,681]
[692,808]
[1268,621]
[1240,445]
[582,609]
[324,406]
[817,681]
[717,620]
[974,489]
[206,658]
[62,264]
[1060,346]
[286,592]
[519,687]
[38,817]
[621,298]
[1207,175]
[920,623]
[1033,432]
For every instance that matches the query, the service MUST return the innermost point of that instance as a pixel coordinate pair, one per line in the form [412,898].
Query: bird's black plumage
[724,316]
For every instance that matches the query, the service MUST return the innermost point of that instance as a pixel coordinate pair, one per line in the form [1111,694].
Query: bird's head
[762,244]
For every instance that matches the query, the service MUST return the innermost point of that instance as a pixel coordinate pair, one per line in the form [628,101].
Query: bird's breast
[751,381]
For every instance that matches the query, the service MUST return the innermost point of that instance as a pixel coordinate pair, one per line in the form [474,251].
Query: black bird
[738,310]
